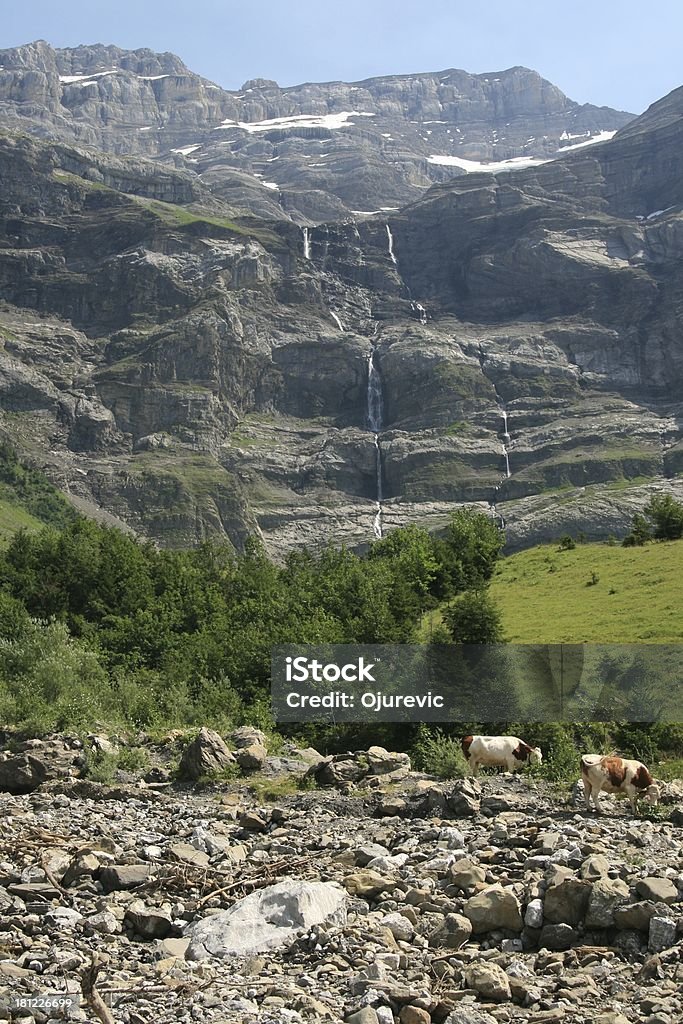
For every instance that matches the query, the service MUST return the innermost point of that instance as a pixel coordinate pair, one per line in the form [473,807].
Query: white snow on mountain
[338,120]
[600,137]
[84,79]
[493,166]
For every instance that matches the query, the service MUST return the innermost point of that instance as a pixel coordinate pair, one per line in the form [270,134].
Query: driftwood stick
[93,997]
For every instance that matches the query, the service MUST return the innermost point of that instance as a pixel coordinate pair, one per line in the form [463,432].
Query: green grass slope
[595,593]
[27,499]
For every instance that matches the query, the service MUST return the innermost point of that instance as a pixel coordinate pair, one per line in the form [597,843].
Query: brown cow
[616,775]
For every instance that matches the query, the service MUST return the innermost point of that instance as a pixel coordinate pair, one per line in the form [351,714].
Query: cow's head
[652,794]
[535,757]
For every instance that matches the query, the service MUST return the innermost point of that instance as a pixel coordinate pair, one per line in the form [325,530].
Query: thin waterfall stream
[417,307]
[375,415]
[506,442]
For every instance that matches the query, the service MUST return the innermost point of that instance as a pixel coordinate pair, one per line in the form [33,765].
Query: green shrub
[438,754]
[101,767]
[133,759]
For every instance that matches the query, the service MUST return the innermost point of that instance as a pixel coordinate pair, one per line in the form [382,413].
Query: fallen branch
[92,996]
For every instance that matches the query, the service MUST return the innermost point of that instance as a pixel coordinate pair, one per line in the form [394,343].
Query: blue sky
[622,54]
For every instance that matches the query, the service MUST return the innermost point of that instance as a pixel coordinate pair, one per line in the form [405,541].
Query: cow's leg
[631,793]
[596,798]
[474,765]
[587,790]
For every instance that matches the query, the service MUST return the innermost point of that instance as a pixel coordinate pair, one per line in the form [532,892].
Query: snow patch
[186,150]
[600,137]
[493,167]
[270,184]
[332,121]
[152,78]
[84,79]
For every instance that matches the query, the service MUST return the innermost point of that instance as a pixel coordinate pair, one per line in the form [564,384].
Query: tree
[666,516]
[473,618]
[640,533]
[468,552]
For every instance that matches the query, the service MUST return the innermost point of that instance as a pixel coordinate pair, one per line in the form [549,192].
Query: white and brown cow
[616,775]
[507,752]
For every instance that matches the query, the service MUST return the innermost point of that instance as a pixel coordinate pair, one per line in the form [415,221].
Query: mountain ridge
[198,372]
[152,105]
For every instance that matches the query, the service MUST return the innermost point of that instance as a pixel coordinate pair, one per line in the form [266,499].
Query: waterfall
[392,255]
[506,441]
[337,321]
[307,243]
[375,418]
[416,307]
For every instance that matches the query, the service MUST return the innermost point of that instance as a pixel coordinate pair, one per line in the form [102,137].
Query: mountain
[188,366]
[310,153]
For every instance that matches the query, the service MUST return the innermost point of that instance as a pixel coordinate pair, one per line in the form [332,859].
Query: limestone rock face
[184,349]
[261,148]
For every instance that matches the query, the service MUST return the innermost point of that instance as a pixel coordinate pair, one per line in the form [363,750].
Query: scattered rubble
[211,904]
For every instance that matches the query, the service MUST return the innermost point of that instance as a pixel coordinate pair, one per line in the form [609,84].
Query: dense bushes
[98,625]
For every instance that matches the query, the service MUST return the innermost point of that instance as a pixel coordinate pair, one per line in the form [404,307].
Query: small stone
[662,934]
[414,1015]
[150,922]
[661,890]
[399,926]
[104,922]
[124,876]
[567,901]
[557,937]
[533,916]
[452,933]
[366,1015]
[635,915]
[368,884]
[495,907]
[489,980]
[605,897]
[253,822]
[188,854]
[465,874]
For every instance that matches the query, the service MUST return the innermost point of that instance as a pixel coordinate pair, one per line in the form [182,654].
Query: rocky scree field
[380,896]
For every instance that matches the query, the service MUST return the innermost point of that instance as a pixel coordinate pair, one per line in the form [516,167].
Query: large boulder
[338,770]
[247,736]
[207,754]
[267,919]
[22,774]
[494,907]
[252,757]
[384,762]
[347,769]
[464,800]
[662,890]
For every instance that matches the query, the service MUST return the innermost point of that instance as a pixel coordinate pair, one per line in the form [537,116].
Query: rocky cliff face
[191,372]
[312,153]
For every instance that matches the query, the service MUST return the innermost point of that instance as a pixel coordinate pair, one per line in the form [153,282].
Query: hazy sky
[622,53]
